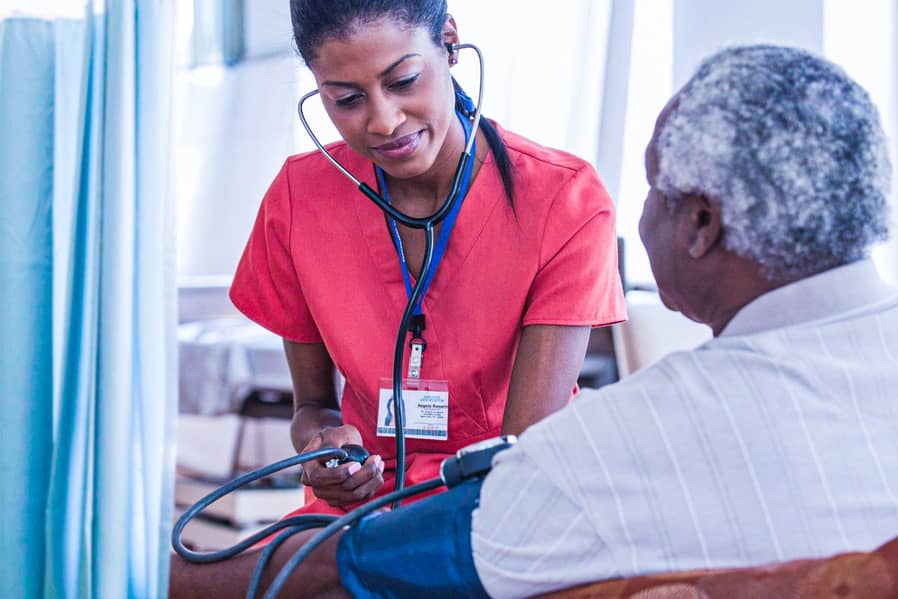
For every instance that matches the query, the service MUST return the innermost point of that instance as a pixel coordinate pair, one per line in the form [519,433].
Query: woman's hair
[315,21]
[792,149]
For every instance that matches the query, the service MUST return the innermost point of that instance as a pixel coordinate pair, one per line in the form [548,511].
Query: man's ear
[704,219]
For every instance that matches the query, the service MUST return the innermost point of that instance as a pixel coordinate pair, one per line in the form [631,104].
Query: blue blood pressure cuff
[422,550]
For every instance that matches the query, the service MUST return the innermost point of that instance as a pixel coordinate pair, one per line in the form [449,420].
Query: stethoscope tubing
[398,352]
[340,523]
[214,556]
[288,526]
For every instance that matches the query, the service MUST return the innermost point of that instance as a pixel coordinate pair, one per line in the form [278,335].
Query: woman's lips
[400,148]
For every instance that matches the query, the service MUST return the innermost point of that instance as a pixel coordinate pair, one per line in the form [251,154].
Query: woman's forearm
[545,372]
[315,406]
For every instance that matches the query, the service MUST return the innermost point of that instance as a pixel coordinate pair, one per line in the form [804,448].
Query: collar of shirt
[821,296]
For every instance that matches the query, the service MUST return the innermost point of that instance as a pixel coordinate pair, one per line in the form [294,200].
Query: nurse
[526,267]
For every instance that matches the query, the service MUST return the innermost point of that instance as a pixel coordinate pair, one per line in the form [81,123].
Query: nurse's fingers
[318,475]
[359,494]
[372,469]
[360,486]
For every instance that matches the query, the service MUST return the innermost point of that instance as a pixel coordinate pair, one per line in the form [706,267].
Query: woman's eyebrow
[387,70]
[383,73]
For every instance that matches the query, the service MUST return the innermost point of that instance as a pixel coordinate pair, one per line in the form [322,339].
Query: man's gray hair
[792,149]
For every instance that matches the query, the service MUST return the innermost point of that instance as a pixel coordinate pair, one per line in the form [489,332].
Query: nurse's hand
[347,483]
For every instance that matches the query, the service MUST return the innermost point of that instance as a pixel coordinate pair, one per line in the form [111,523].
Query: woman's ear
[704,218]
[449,34]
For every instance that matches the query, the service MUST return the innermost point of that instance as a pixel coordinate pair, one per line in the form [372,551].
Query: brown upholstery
[872,575]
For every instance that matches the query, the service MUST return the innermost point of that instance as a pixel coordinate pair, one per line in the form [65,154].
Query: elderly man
[777,439]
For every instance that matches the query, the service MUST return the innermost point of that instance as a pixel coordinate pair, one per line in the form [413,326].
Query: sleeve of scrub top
[266,288]
[578,282]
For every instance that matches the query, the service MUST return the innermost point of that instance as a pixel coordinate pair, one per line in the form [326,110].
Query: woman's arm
[314,394]
[317,423]
[545,371]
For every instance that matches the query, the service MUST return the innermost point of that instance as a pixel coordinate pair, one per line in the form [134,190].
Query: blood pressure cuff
[423,550]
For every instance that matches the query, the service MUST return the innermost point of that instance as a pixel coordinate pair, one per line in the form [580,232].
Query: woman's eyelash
[347,100]
[403,83]
[396,85]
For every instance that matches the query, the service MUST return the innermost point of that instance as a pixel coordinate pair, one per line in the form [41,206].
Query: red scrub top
[320,266]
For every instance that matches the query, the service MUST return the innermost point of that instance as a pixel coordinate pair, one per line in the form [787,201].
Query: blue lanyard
[446,230]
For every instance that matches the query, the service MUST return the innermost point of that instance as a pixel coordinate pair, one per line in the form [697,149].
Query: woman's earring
[453,59]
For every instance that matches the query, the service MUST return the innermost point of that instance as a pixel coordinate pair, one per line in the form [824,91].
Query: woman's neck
[420,196]
[423,195]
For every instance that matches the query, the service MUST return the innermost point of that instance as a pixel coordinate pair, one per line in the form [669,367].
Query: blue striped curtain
[87,321]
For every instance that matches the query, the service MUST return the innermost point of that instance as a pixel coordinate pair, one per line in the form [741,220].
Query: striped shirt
[776,440]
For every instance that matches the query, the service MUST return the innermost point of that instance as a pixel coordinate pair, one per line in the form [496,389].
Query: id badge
[426,409]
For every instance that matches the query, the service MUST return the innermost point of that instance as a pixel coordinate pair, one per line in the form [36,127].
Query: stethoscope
[468,462]
[427,223]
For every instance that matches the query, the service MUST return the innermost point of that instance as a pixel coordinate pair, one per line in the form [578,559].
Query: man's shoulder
[605,416]
[659,375]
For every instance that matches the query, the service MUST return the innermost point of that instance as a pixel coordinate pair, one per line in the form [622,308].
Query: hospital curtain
[219,32]
[87,321]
